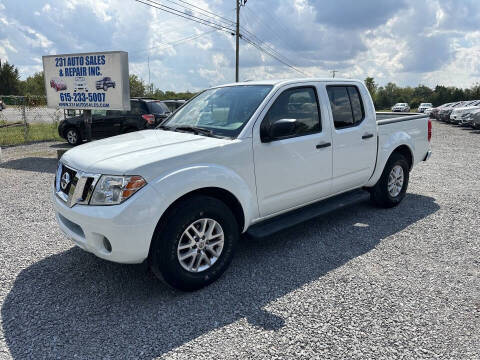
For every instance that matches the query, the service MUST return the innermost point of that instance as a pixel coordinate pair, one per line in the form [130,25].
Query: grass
[16,135]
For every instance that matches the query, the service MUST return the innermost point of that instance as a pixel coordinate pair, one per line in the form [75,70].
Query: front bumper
[128,227]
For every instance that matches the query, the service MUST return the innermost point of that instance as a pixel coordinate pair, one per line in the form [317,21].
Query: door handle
[367,136]
[323,145]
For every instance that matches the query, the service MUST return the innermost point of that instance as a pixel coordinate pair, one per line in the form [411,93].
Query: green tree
[137,86]
[371,86]
[9,79]
[34,85]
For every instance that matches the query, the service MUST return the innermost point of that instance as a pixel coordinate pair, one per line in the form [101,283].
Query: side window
[357,107]
[137,107]
[346,105]
[101,113]
[300,104]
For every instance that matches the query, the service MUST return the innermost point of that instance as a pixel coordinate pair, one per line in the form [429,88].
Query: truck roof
[288,81]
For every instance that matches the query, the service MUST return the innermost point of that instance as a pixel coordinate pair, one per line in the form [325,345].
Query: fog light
[107,245]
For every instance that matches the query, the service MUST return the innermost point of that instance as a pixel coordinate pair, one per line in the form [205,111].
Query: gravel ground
[359,283]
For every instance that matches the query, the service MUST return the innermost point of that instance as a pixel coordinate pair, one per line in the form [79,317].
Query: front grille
[71,177]
[76,187]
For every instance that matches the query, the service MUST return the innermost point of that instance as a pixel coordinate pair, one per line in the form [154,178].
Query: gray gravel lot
[359,283]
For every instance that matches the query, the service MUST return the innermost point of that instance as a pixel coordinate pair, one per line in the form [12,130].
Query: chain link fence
[25,119]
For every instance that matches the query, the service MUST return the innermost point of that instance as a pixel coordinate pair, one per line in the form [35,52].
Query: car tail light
[429,129]
[149,118]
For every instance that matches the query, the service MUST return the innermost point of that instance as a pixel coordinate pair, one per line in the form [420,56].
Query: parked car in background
[445,111]
[472,118]
[252,157]
[458,112]
[173,104]
[424,106]
[105,83]
[434,113]
[401,107]
[2,105]
[428,111]
[144,114]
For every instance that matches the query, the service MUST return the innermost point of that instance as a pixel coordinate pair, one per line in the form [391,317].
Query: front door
[295,168]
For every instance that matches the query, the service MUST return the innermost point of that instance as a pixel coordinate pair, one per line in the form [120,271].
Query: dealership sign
[87,81]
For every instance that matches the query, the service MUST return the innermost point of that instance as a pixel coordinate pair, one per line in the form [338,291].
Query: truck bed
[393,117]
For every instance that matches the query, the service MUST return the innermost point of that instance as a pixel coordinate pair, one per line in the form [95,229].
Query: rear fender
[387,145]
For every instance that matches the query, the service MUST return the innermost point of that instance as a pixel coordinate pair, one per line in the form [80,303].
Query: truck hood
[123,154]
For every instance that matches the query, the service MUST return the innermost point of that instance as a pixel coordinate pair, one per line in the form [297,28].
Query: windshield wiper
[194,129]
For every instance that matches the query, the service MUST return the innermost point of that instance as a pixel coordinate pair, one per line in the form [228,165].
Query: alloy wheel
[200,245]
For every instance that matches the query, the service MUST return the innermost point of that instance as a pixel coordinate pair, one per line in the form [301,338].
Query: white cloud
[403,41]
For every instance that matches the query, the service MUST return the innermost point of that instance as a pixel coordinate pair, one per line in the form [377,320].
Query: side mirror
[279,129]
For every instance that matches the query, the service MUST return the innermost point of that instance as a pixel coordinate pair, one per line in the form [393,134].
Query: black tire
[164,261]
[72,135]
[380,194]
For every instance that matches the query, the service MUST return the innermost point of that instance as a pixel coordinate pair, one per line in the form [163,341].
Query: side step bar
[295,217]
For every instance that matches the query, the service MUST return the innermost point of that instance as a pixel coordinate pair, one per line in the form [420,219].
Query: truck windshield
[223,111]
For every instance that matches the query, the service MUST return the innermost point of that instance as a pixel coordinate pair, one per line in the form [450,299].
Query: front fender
[386,146]
[172,186]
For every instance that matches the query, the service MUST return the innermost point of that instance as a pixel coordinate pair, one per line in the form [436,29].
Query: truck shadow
[33,163]
[73,303]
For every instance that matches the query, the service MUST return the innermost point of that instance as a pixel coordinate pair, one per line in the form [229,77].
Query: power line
[268,46]
[177,42]
[260,48]
[218,26]
[265,25]
[177,12]
[203,10]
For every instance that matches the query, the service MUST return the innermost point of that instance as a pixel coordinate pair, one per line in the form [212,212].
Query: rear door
[295,169]
[115,119]
[134,119]
[353,137]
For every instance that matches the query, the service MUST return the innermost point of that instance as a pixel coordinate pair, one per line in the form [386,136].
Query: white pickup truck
[251,157]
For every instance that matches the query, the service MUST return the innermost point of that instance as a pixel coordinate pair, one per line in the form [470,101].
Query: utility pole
[149,86]
[333,72]
[240,3]
[237,41]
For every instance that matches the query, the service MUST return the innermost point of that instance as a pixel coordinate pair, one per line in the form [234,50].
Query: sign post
[87,81]
[87,118]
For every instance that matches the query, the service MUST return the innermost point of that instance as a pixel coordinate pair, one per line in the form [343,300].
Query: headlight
[112,190]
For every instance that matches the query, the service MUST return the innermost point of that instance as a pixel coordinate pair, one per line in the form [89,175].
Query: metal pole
[149,74]
[237,37]
[87,118]
[24,118]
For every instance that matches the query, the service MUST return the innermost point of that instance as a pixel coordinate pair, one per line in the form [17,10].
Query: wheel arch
[402,148]
[216,192]
[406,152]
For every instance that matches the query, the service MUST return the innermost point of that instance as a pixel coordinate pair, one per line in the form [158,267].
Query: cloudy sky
[409,42]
